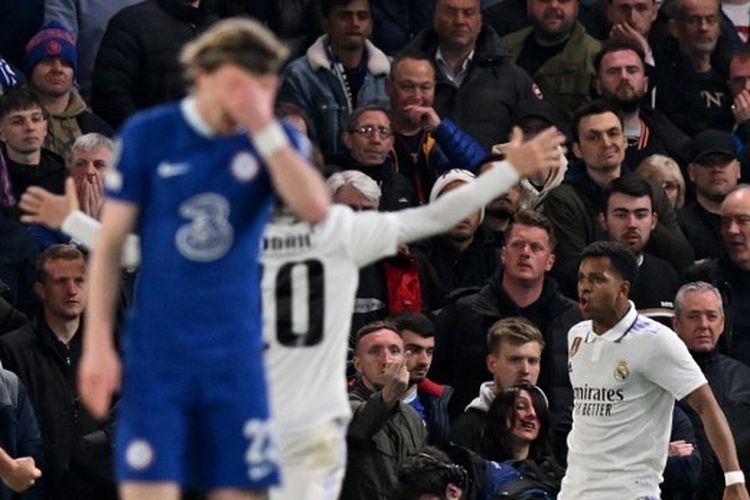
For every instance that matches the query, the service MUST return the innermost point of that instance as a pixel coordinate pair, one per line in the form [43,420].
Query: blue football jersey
[204,200]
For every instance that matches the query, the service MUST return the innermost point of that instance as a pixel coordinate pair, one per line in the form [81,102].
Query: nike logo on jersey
[166,170]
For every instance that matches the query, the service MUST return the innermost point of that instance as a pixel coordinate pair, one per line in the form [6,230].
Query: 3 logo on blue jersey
[209,234]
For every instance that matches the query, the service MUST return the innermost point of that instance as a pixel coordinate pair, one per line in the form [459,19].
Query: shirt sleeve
[670,365]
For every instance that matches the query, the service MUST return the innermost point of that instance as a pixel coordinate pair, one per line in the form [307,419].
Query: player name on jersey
[292,242]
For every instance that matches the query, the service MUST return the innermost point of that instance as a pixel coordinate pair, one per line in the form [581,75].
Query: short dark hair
[629,185]
[742,52]
[428,472]
[612,45]
[595,107]
[415,322]
[532,218]
[514,330]
[410,53]
[19,98]
[621,258]
[326,6]
[56,252]
[374,327]
[502,413]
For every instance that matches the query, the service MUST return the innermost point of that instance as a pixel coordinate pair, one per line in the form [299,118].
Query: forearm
[451,208]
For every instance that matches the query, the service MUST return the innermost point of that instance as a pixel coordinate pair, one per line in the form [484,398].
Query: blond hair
[240,41]
[661,169]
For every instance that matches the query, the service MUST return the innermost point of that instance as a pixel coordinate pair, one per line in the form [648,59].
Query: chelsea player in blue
[196,181]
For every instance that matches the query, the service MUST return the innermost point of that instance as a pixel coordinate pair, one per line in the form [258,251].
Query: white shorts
[313,462]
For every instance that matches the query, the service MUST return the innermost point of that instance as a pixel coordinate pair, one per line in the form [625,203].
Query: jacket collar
[377,63]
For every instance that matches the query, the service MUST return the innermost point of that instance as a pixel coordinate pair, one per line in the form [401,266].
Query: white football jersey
[310,277]
[625,382]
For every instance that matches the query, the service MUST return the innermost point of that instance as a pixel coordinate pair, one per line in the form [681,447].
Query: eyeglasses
[370,130]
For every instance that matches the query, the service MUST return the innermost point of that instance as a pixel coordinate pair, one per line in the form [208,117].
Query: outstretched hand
[42,207]
[541,153]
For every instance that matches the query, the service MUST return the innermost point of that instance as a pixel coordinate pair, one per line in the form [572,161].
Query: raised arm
[704,403]
[522,159]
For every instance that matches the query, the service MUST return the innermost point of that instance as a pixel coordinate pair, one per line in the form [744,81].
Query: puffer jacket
[483,104]
[137,65]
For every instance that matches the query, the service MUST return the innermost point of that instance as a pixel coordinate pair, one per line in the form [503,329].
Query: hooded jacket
[64,128]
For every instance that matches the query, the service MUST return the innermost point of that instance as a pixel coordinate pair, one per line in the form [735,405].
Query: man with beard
[715,171]
[691,78]
[629,218]
[621,79]
[557,52]
[427,398]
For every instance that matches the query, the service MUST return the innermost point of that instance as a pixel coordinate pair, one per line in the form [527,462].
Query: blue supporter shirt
[203,202]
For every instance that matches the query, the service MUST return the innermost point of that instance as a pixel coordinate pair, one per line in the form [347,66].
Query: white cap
[452,175]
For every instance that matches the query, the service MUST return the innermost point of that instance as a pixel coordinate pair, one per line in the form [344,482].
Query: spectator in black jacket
[715,171]
[629,218]
[137,64]
[477,86]
[45,355]
[699,321]
[522,288]
[51,65]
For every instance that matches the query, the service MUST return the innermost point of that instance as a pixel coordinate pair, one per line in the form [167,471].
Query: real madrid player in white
[626,371]
[310,276]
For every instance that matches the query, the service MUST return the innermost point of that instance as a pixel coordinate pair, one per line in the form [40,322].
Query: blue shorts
[204,428]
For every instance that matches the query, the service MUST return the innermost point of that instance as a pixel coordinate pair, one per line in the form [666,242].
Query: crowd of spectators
[404,101]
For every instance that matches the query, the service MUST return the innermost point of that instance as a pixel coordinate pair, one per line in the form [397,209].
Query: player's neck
[32,159]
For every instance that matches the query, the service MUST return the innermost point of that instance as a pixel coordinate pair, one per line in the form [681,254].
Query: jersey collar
[621,328]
